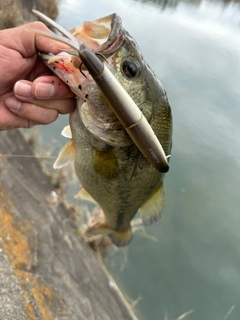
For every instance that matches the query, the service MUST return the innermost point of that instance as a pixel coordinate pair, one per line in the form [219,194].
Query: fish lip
[115,38]
[112,44]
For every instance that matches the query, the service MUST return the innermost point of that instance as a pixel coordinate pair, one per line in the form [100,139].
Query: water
[194,48]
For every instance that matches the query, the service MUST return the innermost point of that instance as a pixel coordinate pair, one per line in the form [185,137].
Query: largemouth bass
[110,167]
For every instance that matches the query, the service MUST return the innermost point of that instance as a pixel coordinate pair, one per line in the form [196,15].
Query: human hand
[29,93]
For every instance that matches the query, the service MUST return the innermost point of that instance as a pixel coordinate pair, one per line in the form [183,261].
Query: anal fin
[151,210]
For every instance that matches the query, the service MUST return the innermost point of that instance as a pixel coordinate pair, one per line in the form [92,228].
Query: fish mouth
[104,37]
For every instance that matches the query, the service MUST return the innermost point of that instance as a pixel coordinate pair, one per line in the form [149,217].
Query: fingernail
[23,89]
[44,90]
[13,103]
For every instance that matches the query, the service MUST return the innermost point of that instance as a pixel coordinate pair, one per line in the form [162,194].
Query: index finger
[42,88]
[27,43]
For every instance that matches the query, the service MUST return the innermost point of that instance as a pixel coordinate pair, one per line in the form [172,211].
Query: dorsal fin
[66,155]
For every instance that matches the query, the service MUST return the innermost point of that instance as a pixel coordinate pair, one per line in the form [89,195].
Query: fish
[110,167]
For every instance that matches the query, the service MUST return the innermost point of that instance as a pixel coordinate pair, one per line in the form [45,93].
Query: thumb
[45,87]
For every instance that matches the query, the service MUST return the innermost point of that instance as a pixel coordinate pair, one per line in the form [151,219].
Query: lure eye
[130,68]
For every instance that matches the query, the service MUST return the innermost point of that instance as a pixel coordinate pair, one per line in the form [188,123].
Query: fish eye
[131,68]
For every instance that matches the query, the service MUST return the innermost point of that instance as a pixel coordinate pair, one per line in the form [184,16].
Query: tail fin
[119,237]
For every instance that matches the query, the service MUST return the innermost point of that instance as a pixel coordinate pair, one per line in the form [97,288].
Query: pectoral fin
[151,210]
[83,194]
[66,155]
[66,132]
[105,163]
[119,237]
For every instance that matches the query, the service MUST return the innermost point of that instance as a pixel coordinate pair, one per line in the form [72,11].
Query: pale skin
[29,93]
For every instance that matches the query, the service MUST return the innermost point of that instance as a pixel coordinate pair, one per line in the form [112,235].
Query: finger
[53,94]
[45,87]
[31,111]
[9,120]
[28,43]
[63,106]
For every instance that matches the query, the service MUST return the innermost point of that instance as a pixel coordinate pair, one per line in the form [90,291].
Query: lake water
[194,48]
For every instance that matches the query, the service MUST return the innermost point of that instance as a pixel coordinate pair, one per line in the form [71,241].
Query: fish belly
[106,173]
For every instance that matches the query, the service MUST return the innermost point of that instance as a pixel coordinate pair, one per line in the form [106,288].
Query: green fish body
[109,166]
